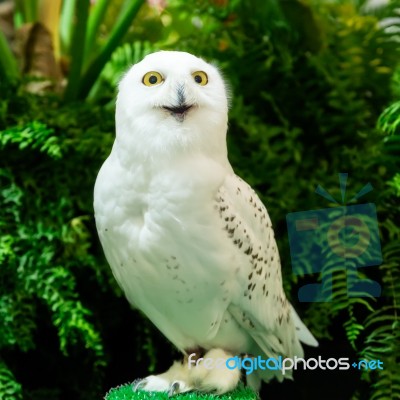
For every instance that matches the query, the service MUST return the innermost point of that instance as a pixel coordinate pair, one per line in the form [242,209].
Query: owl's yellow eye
[152,78]
[200,77]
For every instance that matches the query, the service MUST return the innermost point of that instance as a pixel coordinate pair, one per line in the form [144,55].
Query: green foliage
[8,65]
[383,342]
[389,121]
[383,339]
[121,27]
[44,214]
[77,50]
[122,58]
[34,135]
[78,30]
[10,388]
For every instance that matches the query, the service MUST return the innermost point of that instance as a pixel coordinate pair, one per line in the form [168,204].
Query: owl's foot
[213,376]
[208,374]
[174,381]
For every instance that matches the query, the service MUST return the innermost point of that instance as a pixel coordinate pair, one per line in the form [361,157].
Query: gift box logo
[325,241]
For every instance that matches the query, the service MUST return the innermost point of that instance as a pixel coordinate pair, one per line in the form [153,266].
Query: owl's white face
[172,102]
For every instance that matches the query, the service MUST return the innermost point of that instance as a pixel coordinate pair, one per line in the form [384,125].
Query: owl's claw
[138,384]
[160,383]
[174,389]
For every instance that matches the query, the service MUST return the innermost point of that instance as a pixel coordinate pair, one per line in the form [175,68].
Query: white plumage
[189,242]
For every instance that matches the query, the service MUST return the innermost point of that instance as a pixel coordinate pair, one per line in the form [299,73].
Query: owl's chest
[164,240]
[146,211]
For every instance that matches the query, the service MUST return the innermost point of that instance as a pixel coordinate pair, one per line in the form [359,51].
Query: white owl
[188,241]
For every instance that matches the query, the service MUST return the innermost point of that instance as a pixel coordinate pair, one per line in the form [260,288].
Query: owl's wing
[259,304]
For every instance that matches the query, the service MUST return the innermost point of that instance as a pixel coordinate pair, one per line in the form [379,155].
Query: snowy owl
[188,241]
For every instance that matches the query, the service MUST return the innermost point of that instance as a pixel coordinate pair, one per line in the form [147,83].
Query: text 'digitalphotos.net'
[251,364]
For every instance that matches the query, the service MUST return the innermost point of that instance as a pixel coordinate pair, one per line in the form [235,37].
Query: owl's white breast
[160,234]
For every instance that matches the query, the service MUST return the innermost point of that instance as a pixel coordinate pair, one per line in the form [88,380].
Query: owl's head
[169,103]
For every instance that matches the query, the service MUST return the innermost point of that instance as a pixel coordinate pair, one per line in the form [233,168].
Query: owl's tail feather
[264,349]
[304,335]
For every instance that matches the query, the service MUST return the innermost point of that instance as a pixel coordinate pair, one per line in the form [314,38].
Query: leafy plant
[45,239]
[75,23]
[10,388]
[122,58]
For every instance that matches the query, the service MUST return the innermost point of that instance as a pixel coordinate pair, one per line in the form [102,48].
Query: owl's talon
[174,389]
[162,383]
[138,384]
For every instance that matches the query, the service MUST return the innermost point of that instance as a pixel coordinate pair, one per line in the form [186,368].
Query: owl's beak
[181,109]
[178,112]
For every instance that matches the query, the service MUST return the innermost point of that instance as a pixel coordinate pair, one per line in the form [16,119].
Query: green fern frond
[390,269]
[10,389]
[352,328]
[383,343]
[34,135]
[122,58]
[55,286]
[389,121]
[18,314]
[387,386]
[394,183]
